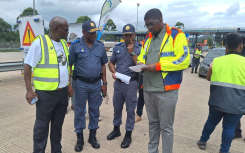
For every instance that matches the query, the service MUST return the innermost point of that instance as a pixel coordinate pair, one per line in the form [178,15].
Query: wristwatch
[104,83]
[133,53]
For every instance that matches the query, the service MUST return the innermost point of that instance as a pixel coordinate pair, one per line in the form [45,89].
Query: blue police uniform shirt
[122,58]
[87,61]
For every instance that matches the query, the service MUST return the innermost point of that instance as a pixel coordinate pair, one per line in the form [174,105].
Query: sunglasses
[66,30]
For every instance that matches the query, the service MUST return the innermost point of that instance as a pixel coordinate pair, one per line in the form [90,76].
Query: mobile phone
[34,100]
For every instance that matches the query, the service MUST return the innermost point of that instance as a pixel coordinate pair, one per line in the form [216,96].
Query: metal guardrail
[9,48]
[11,66]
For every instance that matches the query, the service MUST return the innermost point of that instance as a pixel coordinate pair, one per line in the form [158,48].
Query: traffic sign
[28,36]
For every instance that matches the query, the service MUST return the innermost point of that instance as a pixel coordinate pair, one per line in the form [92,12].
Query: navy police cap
[89,26]
[128,29]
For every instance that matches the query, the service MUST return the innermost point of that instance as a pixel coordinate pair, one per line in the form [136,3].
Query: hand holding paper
[137,68]
[123,77]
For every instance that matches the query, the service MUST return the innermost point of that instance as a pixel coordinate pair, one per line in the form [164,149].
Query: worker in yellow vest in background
[196,58]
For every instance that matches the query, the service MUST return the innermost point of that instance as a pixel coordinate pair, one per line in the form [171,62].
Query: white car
[111,49]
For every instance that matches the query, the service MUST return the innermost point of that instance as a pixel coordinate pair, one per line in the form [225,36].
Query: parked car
[204,66]
[111,49]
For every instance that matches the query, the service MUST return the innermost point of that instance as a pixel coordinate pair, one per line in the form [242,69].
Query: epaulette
[75,41]
[100,42]
[140,44]
[119,44]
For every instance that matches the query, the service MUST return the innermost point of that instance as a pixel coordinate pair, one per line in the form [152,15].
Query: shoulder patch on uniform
[118,44]
[75,41]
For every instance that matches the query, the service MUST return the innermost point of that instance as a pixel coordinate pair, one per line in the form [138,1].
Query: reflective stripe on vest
[167,53]
[227,91]
[197,52]
[46,73]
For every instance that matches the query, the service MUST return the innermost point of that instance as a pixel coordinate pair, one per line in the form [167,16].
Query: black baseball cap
[128,29]
[89,26]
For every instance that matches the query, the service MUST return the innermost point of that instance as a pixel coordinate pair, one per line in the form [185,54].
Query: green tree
[110,26]
[46,31]
[12,36]
[82,19]
[26,12]
[5,28]
[179,25]
[210,41]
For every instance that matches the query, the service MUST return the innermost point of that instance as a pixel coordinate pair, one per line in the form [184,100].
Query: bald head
[57,22]
[58,28]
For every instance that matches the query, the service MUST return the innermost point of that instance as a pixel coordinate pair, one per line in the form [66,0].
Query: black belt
[87,80]
[132,79]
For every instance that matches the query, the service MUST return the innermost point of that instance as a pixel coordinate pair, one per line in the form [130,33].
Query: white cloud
[194,14]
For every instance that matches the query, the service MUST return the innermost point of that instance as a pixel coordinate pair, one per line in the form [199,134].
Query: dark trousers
[238,127]
[50,107]
[141,102]
[229,124]
[195,63]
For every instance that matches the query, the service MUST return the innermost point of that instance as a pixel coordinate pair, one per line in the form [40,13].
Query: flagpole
[101,13]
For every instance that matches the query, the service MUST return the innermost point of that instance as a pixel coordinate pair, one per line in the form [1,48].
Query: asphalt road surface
[17,120]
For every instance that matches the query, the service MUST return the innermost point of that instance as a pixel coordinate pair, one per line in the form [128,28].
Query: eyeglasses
[66,30]
[151,24]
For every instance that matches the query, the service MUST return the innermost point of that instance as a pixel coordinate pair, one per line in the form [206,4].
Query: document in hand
[123,77]
[137,68]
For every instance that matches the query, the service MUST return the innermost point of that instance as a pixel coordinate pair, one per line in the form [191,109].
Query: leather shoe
[127,140]
[115,133]
[237,135]
[92,139]
[80,142]
[137,119]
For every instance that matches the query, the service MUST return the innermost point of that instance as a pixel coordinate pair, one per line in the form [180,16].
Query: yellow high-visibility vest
[174,57]
[227,91]
[46,73]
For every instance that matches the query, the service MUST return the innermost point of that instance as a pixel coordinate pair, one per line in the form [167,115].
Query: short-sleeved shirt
[123,60]
[87,61]
[34,56]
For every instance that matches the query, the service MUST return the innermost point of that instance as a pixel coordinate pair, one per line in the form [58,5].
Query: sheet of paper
[123,77]
[137,68]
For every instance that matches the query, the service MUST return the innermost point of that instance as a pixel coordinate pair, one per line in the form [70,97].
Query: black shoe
[92,139]
[191,71]
[80,142]
[237,135]
[127,139]
[195,71]
[115,133]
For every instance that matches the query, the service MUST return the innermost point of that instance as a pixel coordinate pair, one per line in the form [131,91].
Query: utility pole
[138,4]
[33,7]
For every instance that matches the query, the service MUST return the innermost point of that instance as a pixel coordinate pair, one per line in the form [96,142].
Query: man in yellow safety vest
[166,55]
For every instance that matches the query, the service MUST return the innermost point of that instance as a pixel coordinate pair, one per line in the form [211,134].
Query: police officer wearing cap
[125,55]
[89,59]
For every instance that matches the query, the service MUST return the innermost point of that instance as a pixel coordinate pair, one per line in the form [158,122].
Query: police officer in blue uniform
[89,59]
[125,55]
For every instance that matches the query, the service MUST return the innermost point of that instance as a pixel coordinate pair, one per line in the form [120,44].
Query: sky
[193,13]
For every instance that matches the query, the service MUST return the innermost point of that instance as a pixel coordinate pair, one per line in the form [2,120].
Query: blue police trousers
[125,92]
[84,91]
